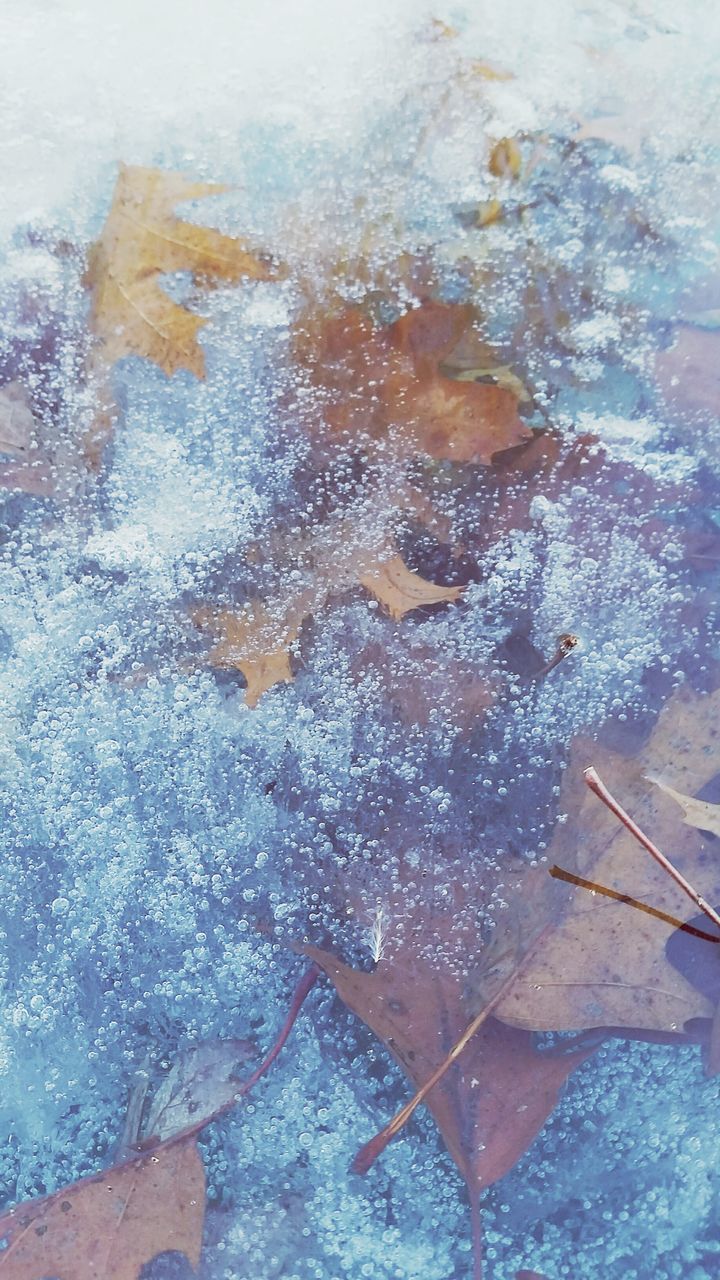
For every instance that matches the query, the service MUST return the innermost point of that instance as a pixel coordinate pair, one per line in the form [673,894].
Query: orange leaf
[400,590]
[252,642]
[389,383]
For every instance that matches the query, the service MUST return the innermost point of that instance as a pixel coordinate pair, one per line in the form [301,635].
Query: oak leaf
[143,239]
[252,642]
[400,590]
[604,963]
[495,1100]
[110,1225]
[257,640]
[387,383]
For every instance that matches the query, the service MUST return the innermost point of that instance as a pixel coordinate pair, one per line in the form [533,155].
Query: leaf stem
[597,786]
[302,990]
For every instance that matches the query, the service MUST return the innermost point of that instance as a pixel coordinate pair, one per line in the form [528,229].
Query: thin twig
[597,786]
[368,1154]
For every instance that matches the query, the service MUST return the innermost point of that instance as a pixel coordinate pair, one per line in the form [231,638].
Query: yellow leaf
[253,643]
[505,159]
[400,590]
[488,212]
[142,240]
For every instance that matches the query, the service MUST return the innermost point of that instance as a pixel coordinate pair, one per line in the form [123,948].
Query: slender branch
[597,786]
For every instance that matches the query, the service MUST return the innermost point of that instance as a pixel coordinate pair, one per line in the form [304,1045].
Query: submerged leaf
[696,813]
[143,239]
[110,1225]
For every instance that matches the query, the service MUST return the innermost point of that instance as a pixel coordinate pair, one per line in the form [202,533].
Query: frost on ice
[162,841]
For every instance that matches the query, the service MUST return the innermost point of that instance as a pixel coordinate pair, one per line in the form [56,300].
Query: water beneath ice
[151,821]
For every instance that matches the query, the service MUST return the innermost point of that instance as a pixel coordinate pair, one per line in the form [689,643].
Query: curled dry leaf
[400,590]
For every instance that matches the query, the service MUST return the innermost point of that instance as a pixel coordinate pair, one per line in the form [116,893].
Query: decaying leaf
[110,1225]
[143,239]
[387,383]
[426,686]
[687,373]
[604,964]
[419,1010]
[494,1098]
[202,1081]
[697,813]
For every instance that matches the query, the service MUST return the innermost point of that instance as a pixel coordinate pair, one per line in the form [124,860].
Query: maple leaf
[603,964]
[142,239]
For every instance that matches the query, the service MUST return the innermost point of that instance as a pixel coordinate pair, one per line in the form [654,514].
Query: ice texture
[161,841]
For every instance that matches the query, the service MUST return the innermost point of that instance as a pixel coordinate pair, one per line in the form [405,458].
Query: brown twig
[368,1154]
[559,873]
[597,786]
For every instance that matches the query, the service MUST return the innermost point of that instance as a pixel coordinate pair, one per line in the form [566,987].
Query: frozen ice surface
[150,819]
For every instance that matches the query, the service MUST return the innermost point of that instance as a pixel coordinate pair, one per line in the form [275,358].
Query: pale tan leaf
[697,813]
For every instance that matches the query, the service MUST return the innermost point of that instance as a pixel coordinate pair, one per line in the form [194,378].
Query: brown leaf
[143,239]
[110,1225]
[505,159]
[493,1102]
[426,686]
[388,383]
[604,963]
